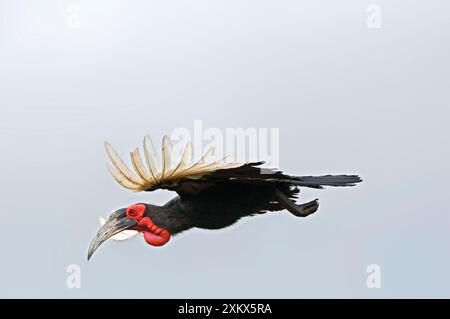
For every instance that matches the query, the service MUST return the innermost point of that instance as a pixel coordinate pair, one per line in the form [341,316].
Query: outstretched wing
[165,175]
[188,178]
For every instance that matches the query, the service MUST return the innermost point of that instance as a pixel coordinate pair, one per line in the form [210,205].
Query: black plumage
[211,195]
[220,199]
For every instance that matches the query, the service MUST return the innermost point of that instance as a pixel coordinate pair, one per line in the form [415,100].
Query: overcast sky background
[346,98]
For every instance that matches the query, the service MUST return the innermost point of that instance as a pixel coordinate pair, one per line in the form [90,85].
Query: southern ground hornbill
[211,194]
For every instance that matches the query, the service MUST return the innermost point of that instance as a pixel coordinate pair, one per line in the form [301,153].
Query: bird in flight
[211,194]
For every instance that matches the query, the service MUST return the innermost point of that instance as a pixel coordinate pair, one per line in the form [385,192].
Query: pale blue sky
[346,98]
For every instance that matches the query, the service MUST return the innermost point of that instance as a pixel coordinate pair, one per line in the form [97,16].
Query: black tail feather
[327,180]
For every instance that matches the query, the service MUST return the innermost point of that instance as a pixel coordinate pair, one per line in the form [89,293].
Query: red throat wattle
[153,235]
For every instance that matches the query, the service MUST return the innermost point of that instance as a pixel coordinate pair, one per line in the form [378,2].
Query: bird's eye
[135,211]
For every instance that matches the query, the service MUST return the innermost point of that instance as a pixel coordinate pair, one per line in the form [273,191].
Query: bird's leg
[309,207]
[297,210]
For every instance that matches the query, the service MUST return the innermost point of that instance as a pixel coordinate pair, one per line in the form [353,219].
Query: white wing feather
[150,157]
[167,157]
[152,175]
[139,166]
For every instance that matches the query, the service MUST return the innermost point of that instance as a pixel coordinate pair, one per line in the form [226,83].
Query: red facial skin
[153,235]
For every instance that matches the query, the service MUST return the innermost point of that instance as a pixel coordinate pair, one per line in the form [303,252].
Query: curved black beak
[117,222]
